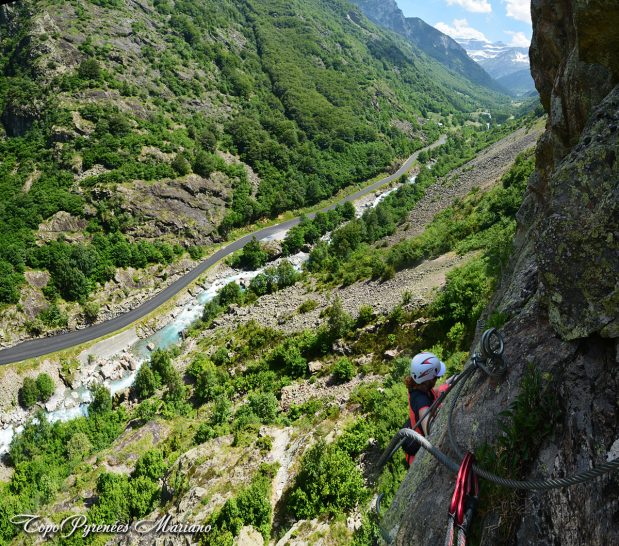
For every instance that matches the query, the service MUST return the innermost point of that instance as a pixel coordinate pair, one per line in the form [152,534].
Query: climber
[425,368]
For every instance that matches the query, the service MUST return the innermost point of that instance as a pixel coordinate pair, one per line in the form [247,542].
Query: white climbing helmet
[426,366]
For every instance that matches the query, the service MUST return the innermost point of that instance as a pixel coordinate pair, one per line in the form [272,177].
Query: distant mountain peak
[428,39]
[509,65]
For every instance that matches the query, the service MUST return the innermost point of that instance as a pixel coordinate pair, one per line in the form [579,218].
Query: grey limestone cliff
[562,299]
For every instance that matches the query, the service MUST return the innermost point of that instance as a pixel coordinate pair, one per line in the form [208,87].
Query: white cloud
[461,30]
[519,10]
[518,39]
[474,6]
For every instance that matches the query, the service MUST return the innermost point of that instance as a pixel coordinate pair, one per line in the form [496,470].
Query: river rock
[315,366]
[54,402]
[111,371]
[150,347]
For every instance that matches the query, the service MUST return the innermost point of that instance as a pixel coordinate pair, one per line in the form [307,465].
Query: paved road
[43,346]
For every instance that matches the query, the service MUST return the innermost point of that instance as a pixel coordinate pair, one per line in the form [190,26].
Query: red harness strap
[463,503]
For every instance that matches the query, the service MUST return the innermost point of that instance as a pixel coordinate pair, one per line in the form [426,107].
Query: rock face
[561,297]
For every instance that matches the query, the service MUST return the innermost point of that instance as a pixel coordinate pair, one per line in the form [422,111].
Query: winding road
[51,344]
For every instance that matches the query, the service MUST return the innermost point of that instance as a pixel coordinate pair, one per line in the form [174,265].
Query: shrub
[465,294]
[329,483]
[211,311]
[307,306]
[113,499]
[78,446]
[54,317]
[195,252]
[287,356]
[222,411]
[251,506]
[339,321]
[343,370]
[366,314]
[150,465]
[147,410]
[143,495]
[209,382]
[456,335]
[355,437]
[264,405]
[264,444]
[204,433]
[91,311]
[181,165]
[28,394]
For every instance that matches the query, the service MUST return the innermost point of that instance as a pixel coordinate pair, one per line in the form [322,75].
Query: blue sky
[507,21]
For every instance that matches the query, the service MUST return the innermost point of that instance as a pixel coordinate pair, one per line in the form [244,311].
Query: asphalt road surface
[46,345]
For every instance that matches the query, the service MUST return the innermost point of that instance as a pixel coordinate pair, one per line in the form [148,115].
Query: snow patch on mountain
[503,62]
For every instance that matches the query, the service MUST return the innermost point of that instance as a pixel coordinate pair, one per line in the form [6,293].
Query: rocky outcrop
[561,296]
[62,224]
[192,205]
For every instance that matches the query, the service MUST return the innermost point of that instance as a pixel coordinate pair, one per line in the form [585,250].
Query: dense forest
[310,95]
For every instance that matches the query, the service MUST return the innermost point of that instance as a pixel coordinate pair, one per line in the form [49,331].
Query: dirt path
[483,172]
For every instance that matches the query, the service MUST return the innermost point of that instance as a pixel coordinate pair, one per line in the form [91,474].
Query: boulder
[391,354]
[248,536]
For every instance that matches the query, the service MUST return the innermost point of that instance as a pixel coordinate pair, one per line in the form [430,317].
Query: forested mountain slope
[133,131]
[427,38]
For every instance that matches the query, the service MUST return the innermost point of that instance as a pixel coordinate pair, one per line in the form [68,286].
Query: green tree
[329,483]
[229,294]
[145,383]
[253,256]
[101,402]
[45,386]
[264,405]
[294,241]
[151,465]
[339,321]
[205,163]
[28,394]
[287,275]
[78,446]
[89,69]
[161,365]
[208,140]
